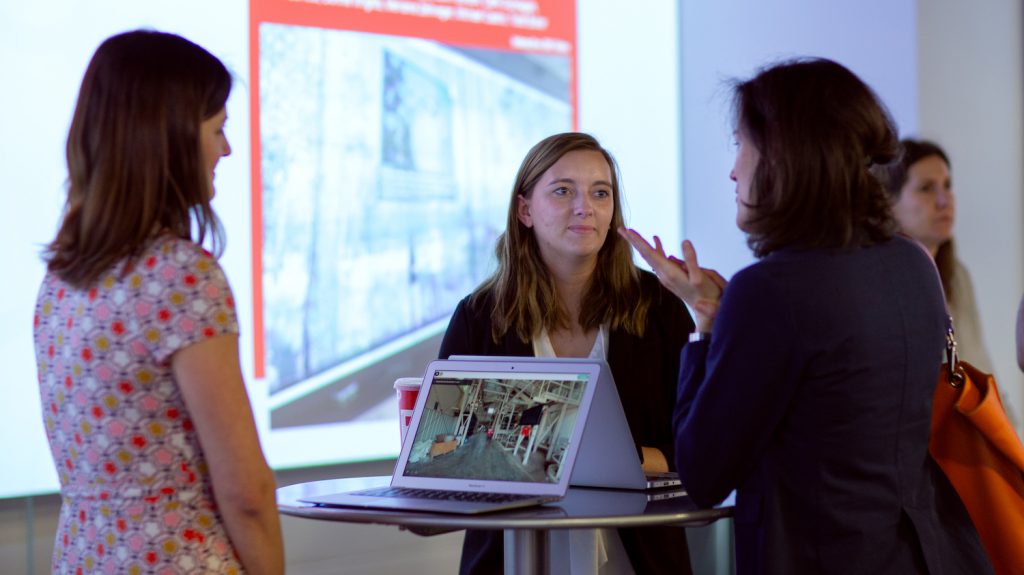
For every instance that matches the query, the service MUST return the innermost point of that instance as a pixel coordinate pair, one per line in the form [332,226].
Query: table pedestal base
[526,551]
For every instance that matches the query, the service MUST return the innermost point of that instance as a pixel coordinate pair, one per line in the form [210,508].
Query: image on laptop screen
[496,426]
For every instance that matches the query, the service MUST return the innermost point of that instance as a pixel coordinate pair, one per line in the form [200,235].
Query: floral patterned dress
[135,487]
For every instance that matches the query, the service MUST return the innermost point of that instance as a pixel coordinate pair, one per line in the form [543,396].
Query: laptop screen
[496,423]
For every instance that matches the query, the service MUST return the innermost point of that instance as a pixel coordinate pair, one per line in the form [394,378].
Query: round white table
[526,530]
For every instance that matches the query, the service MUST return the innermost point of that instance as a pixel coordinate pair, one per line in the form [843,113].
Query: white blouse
[585,551]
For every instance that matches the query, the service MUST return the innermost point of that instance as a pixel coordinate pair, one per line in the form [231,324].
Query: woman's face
[747,157]
[926,207]
[570,208]
[213,143]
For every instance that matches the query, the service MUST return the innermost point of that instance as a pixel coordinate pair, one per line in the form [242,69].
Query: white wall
[629,100]
[970,68]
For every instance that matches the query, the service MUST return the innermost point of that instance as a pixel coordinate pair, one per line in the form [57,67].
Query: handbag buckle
[954,373]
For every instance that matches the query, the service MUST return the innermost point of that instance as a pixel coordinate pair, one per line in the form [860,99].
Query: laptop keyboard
[443,495]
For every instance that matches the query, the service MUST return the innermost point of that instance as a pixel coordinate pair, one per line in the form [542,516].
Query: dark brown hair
[895,177]
[524,295]
[819,131]
[135,165]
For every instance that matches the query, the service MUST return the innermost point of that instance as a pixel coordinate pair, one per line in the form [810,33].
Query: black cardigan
[646,371]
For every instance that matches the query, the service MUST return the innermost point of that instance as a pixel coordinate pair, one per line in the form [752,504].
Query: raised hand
[698,287]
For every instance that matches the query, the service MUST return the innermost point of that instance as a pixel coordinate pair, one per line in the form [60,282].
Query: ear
[523,211]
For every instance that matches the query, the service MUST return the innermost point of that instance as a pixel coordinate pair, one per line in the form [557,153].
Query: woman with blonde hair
[567,287]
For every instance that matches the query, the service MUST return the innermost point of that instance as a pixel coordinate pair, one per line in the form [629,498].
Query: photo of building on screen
[496,429]
[386,165]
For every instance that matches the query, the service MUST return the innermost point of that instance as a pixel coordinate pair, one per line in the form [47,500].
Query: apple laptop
[487,436]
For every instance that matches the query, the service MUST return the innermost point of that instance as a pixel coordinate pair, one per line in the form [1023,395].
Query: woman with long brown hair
[136,337]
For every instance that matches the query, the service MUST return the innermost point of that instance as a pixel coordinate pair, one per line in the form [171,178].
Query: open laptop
[608,456]
[486,436]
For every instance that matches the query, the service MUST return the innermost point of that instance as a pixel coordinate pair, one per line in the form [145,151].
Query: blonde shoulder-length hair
[522,289]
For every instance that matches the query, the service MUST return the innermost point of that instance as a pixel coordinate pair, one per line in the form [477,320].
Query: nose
[583,205]
[732,175]
[944,198]
[226,150]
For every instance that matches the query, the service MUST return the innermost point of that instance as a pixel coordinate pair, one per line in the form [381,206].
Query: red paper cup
[408,388]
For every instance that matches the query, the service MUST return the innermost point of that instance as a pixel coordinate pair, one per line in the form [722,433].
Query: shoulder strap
[954,372]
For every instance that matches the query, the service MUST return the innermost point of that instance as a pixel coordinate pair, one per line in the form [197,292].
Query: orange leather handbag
[976,446]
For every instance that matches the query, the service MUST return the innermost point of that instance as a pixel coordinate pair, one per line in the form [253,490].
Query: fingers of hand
[633,242]
[684,276]
[716,278]
[636,240]
[690,254]
[690,257]
[682,265]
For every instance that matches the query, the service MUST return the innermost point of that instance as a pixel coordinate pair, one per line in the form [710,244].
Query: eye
[561,191]
[602,193]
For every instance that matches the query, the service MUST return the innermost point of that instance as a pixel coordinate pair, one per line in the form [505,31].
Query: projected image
[416,133]
[496,429]
[386,166]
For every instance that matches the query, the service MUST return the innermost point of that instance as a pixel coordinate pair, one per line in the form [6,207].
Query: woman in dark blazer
[566,287]
[810,389]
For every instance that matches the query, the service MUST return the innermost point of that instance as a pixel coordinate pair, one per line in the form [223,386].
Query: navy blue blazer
[813,400]
[645,371]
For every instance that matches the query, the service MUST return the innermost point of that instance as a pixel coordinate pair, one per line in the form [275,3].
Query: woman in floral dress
[136,336]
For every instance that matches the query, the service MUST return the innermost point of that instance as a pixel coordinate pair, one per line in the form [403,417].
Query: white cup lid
[407,382]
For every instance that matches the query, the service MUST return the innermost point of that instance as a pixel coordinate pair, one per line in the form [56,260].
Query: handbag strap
[954,373]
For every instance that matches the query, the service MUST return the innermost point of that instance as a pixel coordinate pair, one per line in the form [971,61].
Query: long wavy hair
[524,296]
[821,133]
[135,166]
[895,177]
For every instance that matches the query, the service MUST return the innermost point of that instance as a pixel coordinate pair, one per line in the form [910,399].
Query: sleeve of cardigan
[675,327]
[459,337]
[734,390]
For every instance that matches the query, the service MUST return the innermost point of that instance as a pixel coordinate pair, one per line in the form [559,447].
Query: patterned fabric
[136,490]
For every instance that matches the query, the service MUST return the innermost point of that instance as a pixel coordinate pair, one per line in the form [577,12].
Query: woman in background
[924,205]
[565,287]
[135,331]
[809,389]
